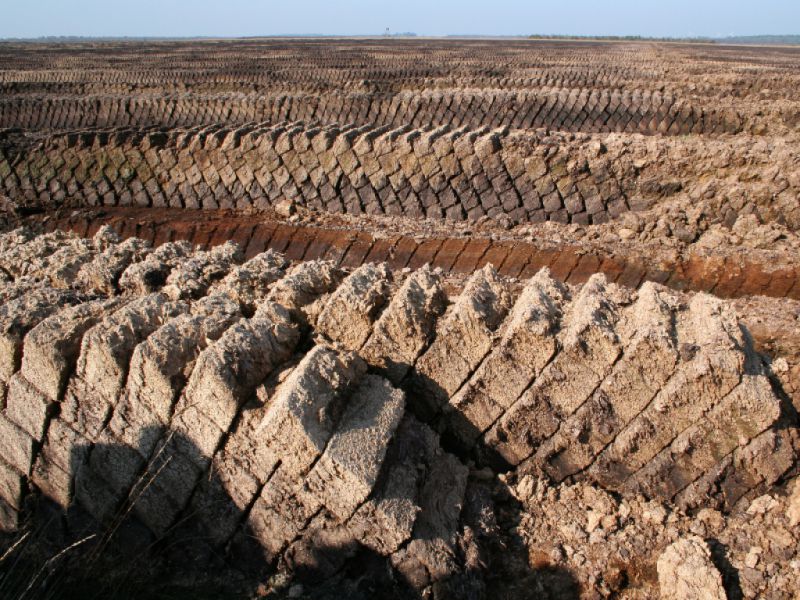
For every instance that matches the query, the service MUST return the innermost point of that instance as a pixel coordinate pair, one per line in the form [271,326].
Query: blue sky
[33,18]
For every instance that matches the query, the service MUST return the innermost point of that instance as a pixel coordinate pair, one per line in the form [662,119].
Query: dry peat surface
[399,319]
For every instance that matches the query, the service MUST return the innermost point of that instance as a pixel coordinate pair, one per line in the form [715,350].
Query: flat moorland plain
[412,318]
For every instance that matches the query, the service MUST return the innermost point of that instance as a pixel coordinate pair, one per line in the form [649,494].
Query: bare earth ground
[315,412]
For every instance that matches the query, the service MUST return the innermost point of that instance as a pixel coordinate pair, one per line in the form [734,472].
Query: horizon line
[409,34]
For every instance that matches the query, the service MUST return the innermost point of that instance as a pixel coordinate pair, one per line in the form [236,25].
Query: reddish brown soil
[727,277]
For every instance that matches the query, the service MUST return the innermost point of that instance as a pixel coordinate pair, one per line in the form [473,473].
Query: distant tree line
[788,40]
[624,38]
